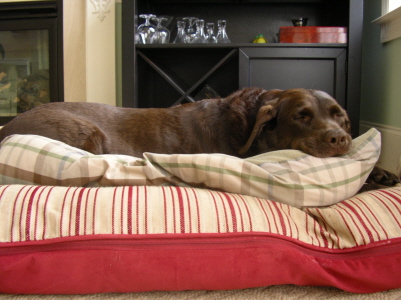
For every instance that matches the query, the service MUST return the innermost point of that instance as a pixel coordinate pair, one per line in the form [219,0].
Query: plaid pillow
[287,176]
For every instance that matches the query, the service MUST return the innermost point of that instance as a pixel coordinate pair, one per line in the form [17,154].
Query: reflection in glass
[24,70]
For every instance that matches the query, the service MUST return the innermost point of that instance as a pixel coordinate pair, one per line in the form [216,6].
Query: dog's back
[102,129]
[60,121]
[94,127]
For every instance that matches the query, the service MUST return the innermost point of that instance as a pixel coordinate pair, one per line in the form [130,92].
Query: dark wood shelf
[162,75]
[240,45]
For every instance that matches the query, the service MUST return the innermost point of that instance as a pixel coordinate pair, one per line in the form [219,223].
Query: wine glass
[146,31]
[210,37]
[200,32]
[221,33]
[180,38]
[162,34]
[190,32]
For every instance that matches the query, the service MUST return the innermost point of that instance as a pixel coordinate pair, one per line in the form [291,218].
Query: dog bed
[62,234]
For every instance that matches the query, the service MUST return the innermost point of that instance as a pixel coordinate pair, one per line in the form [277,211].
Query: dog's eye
[336,112]
[303,117]
[338,115]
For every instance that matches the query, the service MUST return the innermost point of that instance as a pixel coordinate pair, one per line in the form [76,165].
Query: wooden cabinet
[168,74]
[175,74]
[319,68]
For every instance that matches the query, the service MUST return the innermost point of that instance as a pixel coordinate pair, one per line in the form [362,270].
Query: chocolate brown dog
[246,123]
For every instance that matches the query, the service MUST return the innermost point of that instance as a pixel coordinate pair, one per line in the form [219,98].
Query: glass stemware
[146,31]
[221,33]
[190,31]
[210,37]
[200,32]
[180,38]
[162,34]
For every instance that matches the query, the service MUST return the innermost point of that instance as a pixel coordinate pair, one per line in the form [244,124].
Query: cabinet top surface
[244,45]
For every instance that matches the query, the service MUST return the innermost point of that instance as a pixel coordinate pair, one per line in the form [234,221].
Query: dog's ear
[271,95]
[266,112]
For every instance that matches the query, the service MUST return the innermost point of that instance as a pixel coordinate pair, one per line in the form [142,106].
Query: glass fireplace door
[28,65]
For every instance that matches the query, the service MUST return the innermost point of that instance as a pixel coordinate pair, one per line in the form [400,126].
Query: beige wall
[89,52]
[74,51]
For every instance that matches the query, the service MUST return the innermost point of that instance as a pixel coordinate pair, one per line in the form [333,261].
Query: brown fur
[246,123]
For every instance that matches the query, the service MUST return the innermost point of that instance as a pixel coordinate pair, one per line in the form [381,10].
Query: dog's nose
[336,138]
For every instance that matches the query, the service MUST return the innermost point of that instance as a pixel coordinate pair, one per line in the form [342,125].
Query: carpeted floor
[272,292]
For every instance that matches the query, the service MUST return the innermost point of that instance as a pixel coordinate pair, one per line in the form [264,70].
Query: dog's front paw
[379,178]
[382,177]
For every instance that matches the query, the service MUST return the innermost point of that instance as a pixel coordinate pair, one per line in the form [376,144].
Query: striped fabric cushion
[138,238]
[287,176]
[34,213]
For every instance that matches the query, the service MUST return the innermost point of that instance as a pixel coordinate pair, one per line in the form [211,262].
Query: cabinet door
[285,68]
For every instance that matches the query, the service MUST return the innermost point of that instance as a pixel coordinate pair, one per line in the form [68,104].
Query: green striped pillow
[287,176]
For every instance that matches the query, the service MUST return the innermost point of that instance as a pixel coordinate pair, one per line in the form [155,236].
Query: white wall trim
[391,145]
[381,127]
[390,25]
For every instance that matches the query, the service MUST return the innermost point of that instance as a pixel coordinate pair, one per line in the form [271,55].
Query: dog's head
[308,120]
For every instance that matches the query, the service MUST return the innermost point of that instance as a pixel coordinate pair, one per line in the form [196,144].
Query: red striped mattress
[74,240]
